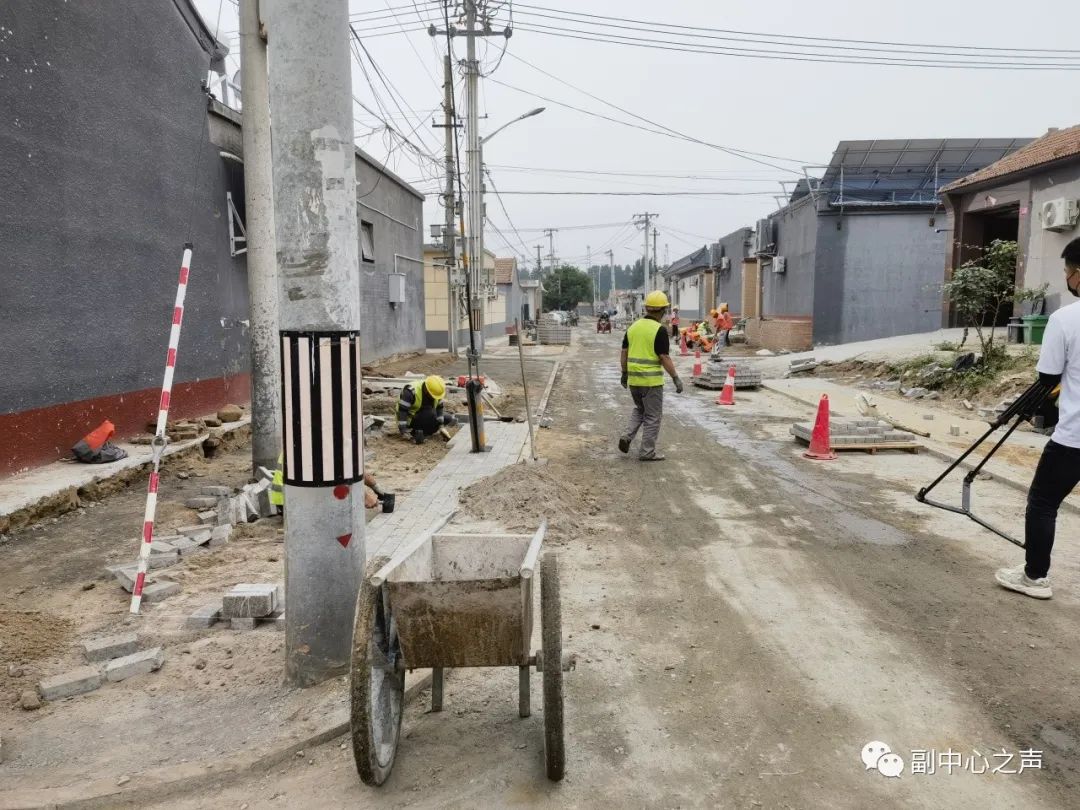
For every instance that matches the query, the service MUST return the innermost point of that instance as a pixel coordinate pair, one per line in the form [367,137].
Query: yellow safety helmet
[713,312]
[435,386]
[656,300]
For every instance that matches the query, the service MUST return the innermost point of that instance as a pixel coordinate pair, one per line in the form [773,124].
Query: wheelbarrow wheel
[378,683]
[551,646]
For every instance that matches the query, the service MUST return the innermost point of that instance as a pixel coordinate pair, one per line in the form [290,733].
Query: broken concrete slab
[213,491]
[206,616]
[195,531]
[158,546]
[104,649]
[250,600]
[242,623]
[139,663]
[76,682]
[160,590]
[201,502]
[208,518]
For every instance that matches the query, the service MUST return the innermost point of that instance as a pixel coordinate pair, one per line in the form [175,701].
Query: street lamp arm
[529,114]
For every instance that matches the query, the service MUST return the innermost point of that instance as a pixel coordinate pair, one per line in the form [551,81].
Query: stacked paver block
[858,434]
[248,605]
[714,375]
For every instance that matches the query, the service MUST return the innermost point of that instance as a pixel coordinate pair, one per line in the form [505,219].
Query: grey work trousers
[648,410]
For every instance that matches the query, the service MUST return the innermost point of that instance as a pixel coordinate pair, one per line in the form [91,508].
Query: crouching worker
[420,408]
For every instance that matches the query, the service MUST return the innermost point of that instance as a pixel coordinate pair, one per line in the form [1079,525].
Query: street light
[529,114]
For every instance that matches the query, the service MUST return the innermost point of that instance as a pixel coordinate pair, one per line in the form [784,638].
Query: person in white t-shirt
[1058,471]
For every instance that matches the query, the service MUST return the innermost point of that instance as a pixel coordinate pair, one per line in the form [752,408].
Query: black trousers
[426,421]
[675,330]
[1056,475]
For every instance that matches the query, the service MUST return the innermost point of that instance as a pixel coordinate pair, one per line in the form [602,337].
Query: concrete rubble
[248,605]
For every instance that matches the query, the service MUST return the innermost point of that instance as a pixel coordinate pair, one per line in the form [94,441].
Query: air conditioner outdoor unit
[725,263]
[1059,214]
[765,240]
[779,264]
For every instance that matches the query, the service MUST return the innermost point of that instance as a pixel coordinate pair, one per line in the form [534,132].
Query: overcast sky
[789,109]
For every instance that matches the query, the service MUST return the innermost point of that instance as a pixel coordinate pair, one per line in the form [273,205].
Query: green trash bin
[1034,326]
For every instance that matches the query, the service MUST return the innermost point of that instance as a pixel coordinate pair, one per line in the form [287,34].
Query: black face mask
[1074,290]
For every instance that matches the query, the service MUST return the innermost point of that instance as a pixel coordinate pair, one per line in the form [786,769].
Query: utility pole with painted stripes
[310,79]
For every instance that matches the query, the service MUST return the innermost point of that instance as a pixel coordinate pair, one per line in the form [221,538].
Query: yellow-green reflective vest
[418,398]
[642,362]
[277,484]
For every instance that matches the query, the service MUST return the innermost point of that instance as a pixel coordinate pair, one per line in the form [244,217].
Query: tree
[564,287]
[980,287]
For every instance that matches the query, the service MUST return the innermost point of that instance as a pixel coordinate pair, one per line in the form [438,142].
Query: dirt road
[746,621]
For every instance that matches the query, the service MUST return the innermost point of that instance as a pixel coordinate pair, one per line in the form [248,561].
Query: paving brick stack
[859,434]
[747,374]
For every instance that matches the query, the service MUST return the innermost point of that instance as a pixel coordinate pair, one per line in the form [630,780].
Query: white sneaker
[1016,579]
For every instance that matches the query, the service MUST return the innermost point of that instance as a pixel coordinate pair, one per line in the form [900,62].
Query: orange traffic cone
[727,396]
[820,447]
[682,344]
[697,364]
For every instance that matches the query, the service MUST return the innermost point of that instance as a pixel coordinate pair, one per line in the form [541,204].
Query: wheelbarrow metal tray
[464,600]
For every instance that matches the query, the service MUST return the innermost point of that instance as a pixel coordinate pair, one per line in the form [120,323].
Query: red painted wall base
[43,435]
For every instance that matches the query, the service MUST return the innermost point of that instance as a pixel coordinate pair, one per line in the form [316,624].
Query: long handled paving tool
[159,441]
[1025,406]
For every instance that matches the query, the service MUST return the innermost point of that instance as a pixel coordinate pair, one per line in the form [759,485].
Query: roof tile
[1052,146]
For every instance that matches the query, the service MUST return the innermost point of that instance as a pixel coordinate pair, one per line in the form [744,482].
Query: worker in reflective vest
[420,408]
[646,355]
[277,487]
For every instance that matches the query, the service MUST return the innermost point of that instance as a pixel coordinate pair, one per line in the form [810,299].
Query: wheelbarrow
[452,600]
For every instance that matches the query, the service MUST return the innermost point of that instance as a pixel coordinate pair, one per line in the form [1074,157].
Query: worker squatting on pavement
[277,487]
[646,355]
[1058,471]
[420,408]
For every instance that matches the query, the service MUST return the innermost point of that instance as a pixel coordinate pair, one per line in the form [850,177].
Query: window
[367,241]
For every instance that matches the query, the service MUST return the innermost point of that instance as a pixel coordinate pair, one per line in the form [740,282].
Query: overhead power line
[682,46]
[745,154]
[791,39]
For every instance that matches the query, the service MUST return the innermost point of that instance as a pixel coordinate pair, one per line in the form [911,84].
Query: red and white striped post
[158,444]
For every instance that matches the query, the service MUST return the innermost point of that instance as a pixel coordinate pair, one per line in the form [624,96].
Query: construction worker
[723,323]
[420,408]
[277,487]
[1058,471]
[646,355]
[674,323]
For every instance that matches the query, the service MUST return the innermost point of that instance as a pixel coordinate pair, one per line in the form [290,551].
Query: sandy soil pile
[522,496]
[30,635]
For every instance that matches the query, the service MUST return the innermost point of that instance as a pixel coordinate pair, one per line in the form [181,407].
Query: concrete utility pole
[475,238]
[315,197]
[646,218]
[261,250]
[655,255]
[551,247]
[450,202]
[540,278]
[611,267]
